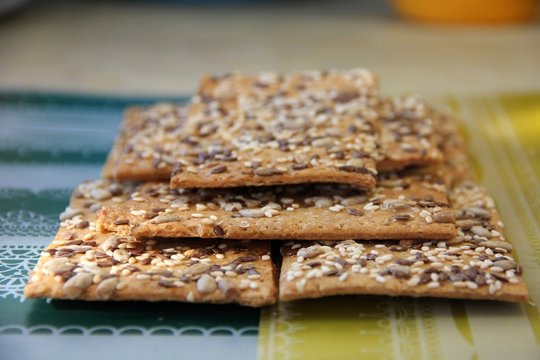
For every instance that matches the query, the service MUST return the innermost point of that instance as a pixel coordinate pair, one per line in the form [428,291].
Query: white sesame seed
[312,274]
[121,286]
[371,207]
[415,280]
[384,258]
[243,224]
[126,272]
[300,284]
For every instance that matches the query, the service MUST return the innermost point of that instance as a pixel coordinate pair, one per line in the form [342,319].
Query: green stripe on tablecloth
[81,100]
[61,128]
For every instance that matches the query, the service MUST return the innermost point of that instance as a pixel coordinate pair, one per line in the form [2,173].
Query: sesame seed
[415,280]
[300,284]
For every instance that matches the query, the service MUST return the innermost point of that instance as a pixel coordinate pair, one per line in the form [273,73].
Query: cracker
[227,88]
[153,139]
[148,143]
[85,265]
[298,128]
[407,134]
[399,208]
[455,168]
[476,264]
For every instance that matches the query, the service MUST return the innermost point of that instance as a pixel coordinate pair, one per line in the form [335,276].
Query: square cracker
[476,264]
[399,208]
[270,129]
[407,134]
[144,148]
[455,168]
[152,140]
[83,264]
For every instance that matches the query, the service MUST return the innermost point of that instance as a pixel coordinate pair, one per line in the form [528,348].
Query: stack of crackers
[282,187]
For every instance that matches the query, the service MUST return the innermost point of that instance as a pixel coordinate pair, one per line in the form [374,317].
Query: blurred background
[161,48]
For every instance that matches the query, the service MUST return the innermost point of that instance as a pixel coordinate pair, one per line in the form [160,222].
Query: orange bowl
[467,11]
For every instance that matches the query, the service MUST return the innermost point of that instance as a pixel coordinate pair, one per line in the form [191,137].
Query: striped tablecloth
[50,142]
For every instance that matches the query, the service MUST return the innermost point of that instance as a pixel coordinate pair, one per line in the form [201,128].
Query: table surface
[162,49]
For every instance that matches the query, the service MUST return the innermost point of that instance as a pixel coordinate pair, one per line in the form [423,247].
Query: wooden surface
[141,48]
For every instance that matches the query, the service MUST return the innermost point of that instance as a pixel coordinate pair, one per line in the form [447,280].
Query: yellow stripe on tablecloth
[487,141]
